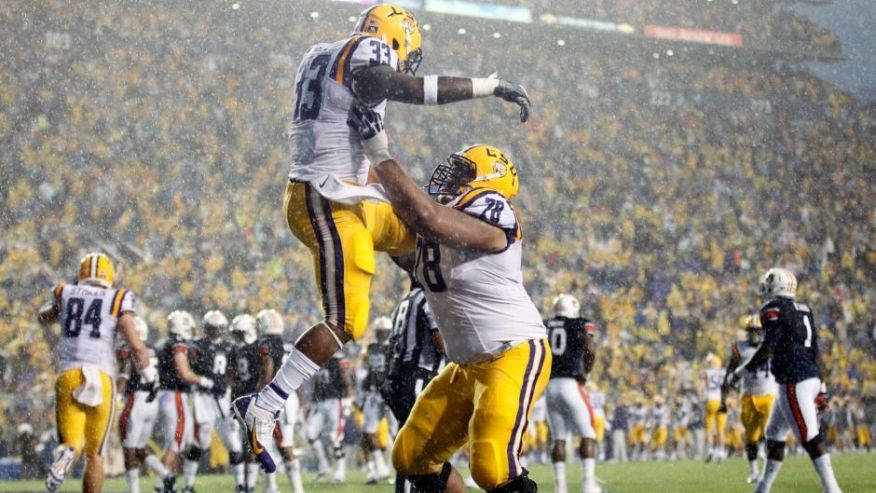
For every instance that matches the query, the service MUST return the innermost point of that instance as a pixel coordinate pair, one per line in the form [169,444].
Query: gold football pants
[755,414]
[83,427]
[486,405]
[715,422]
[342,239]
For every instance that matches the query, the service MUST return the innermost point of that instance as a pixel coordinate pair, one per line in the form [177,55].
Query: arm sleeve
[429,317]
[770,315]
[491,207]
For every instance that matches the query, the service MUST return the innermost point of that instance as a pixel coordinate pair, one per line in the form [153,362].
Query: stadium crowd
[657,189]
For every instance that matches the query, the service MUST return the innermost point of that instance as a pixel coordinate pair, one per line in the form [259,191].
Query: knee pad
[521,484]
[194,453]
[775,449]
[431,483]
[815,447]
[235,457]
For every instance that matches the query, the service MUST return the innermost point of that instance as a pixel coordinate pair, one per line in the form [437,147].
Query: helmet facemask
[450,179]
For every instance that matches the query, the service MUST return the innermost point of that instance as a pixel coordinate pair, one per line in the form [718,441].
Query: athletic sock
[588,480]
[321,459]
[380,464]
[239,473]
[560,485]
[752,468]
[190,470]
[825,472]
[252,475]
[156,465]
[271,482]
[132,477]
[293,470]
[297,369]
[770,472]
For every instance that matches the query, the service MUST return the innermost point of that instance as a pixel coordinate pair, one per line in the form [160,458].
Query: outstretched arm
[384,82]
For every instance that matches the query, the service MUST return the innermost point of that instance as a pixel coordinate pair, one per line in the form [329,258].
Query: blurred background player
[681,436]
[416,353]
[140,413]
[374,408]
[244,374]
[332,384]
[325,196]
[569,410]
[620,429]
[711,379]
[211,407]
[90,313]
[638,441]
[272,348]
[177,379]
[658,427]
[861,425]
[757,393]
[791,342]
[597,401]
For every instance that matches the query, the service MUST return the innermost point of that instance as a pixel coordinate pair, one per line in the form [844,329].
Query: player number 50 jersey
[88,316]
[320,141]
[478,298]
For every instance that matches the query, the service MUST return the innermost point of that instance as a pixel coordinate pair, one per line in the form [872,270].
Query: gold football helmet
[479,166]
[96,268]
[399,29]
[754,331]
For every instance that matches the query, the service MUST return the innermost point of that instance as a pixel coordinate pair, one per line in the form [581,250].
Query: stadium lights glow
[669,52]
[352,18]
[426,27]
[561,42]
[314,15]
[461,30]
[235,6]
[497,35]
[656,56]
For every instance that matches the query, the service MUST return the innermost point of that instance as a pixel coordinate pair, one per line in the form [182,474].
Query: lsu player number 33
[469,263]
[90,313]
[325,202]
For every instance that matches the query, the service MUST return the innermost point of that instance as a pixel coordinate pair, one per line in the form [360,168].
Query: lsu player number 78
[325,199]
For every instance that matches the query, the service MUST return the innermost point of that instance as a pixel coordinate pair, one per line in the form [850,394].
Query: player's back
[320,141]
[210,359]
[170,377]
[790,332]
[247,369]
[566,339]
[328,382]
[88,317]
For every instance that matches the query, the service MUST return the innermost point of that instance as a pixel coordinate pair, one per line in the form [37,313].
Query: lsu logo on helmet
[399,29]
[478,166]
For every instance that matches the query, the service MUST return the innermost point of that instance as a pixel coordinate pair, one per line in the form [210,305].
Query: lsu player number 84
[325,200]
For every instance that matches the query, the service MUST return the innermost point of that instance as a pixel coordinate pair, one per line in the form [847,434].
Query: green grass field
[856,473]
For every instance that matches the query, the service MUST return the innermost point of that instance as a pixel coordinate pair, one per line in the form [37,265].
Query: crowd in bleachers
[656,190]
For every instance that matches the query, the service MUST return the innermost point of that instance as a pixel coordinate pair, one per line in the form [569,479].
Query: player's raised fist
[514,93]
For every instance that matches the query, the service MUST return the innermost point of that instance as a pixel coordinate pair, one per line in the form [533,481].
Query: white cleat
[64,456]
[259,425]
[753,478]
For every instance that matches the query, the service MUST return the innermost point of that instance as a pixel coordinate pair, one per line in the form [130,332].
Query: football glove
[369,125]
[514,93]
[149,375]
[205,383]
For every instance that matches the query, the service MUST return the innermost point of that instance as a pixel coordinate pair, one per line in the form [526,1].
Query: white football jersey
[597,400]
[756,379]
[478,298]
[320,141]
[659,416]
[713,378]
[88,317]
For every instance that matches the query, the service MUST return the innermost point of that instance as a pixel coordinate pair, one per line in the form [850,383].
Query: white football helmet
[142,328]
[215,323]
[181,324]
[778,282]
[566,305]
[382,323]
[269,321]
[246,325]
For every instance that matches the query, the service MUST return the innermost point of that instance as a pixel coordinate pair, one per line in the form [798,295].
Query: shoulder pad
[489,206]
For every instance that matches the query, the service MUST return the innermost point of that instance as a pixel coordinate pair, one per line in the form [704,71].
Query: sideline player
[416,355]
[597,400]
[791,341]
[211,407]
[711,379]
[758,389]
[90,313]
[244,375]
[569,410]
[272,348]
[375,408]
[177,379]
[658,427]
[325,202]
[140,414]
[332,384]
[494,335]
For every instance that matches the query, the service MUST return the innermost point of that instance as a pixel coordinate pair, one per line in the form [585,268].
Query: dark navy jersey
[328,383]
[210,359]
[376,365]
[791,334]
[566,336]
[170,378]
[413,327]
[135,383]
[247,369]
[272,345]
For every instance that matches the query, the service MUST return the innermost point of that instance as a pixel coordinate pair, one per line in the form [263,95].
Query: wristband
[377,148]
[483,86]
[205,382]
[430,90]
